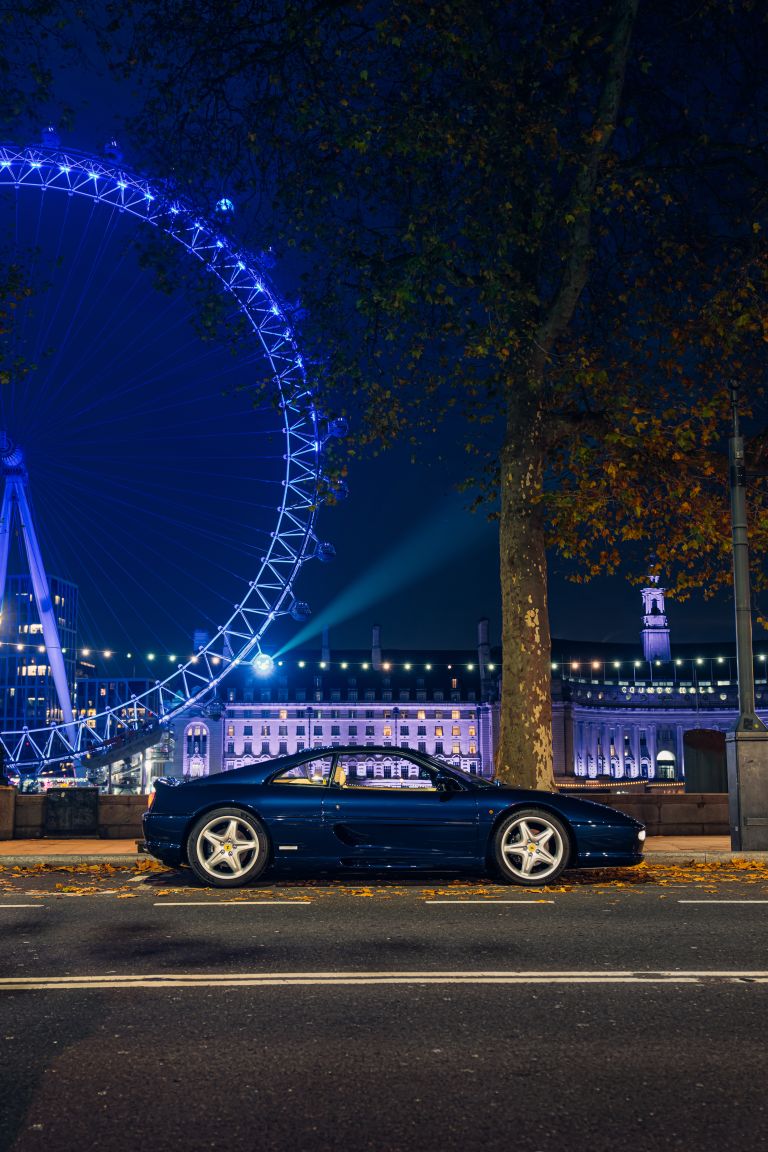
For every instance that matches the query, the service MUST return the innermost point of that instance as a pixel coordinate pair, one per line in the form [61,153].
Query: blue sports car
[373,808]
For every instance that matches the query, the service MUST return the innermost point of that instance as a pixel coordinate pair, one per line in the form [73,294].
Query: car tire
[227,847]
[531,847]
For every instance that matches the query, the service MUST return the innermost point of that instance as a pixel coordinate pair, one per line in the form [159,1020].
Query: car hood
[574,808]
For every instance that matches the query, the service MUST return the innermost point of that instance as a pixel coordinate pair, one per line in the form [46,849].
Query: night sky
[151,473]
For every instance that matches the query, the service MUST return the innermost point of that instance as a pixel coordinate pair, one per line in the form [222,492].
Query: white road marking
[722,901]
[229,903]
[21,905]
[346,979]
[459,901]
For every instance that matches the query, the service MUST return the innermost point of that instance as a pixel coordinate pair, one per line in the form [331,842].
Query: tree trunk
[524,755]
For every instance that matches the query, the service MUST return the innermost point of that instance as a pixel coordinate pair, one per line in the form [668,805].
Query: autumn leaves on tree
[539,225]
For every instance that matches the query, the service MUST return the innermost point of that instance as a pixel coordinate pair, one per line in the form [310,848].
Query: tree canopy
[540,225]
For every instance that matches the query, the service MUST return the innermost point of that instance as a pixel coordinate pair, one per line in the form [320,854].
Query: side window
[312,772]
[382,770]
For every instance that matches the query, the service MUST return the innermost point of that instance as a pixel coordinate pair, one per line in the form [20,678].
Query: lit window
[421,714]
[473,749]
[230,730]
[472,730]
[283,713]
[387,730]
[456,730]
[455,714]
[438,729]
[456,750]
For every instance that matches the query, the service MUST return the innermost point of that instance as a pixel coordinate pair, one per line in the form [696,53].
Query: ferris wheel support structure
[16,504]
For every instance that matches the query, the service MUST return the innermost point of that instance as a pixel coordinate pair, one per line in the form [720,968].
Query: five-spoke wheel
[227,847]
[530,847]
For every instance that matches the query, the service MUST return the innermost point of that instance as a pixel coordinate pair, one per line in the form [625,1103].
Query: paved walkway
[92,850]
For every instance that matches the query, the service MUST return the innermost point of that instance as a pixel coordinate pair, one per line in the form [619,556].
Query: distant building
[27,692]
[443,703]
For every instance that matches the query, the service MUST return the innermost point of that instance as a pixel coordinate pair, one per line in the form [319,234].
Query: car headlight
[641,835]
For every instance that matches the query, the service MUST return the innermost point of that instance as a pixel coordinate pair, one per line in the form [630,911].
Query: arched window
[197,740]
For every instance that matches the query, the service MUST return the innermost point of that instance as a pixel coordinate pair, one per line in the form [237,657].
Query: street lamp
[747,745]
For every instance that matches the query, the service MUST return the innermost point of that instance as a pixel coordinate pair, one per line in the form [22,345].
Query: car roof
[264,769]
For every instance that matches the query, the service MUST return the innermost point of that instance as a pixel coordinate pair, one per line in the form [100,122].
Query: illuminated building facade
[29,697]
[443,704]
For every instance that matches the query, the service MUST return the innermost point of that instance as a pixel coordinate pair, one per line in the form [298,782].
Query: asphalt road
[603,1014]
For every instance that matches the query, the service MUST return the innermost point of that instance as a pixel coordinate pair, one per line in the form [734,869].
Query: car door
[293,804]
[386,809]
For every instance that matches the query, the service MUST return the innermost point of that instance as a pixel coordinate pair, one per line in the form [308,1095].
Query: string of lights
[90,653]
[567,668]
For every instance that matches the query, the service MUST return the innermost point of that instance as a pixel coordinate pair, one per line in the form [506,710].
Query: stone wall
[676,814]
[119,817]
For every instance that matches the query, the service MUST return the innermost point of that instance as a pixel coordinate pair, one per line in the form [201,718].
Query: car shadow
[383,879]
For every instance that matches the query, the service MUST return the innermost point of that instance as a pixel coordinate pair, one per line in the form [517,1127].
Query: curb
[682,857]
[123,859]
[59,861]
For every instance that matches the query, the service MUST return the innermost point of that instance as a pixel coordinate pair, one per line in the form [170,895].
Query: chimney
[376,647]
[326,651]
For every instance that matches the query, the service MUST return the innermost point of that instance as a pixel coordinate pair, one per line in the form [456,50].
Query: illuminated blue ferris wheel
[267,592]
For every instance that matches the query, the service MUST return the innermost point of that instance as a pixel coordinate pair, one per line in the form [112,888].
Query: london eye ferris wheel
[78,215]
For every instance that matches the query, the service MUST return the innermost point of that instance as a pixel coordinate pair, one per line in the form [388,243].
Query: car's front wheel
[531,847]
[227,847]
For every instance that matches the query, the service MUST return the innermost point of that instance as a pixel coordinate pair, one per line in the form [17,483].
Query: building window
[387,730]
[472,730]
[283,750]
[283,713]
[265,730]
[455,751]
[335,730]
[300,730]
[352,730]
[454,714]
[438,748]
[369,729]
[421,714]
[438,729]
[230,747]
[422,745]
[265,747]
[473,749]
[247,729]
[421,730]
[317,730]
[282,729]
[404,730]
[230,729]
[456,731]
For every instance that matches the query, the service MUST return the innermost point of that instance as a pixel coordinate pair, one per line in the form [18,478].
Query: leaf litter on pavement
[151,878]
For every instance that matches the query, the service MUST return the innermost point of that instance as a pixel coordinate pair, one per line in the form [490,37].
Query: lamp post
[747,745]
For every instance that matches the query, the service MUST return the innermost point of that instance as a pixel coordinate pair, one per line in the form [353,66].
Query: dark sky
[151,473]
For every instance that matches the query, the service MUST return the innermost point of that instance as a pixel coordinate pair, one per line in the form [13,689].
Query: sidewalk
[92,850]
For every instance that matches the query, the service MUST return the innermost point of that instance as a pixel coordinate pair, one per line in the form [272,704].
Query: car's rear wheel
[531,847]
[227,847]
